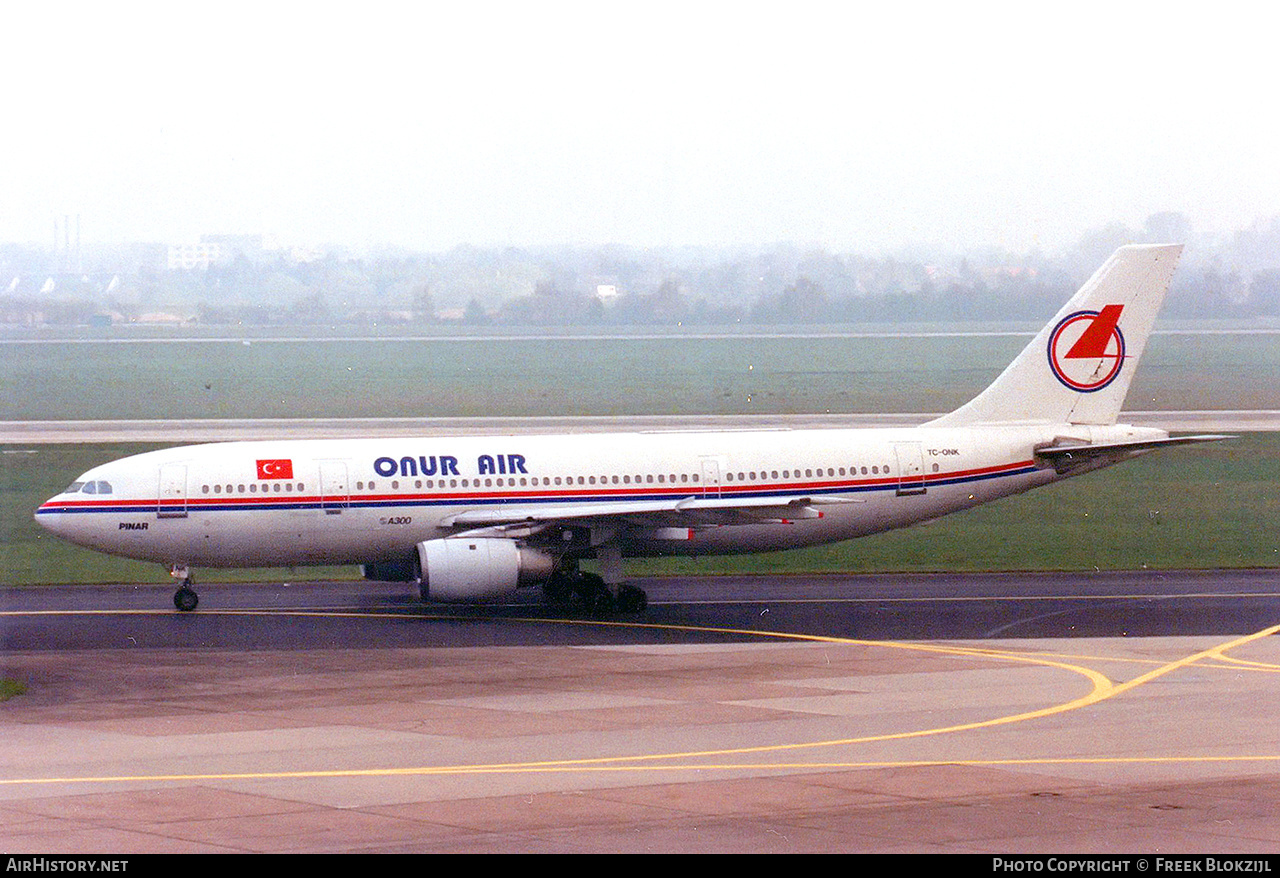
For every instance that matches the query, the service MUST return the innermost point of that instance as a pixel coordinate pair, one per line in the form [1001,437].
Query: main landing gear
[185,598]
[586,591]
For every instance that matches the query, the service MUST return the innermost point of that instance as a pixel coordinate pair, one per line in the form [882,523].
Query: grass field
[1213,506]
[1199,507]
[576,376]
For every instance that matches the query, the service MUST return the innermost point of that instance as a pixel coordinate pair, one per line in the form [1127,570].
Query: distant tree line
[1235,277]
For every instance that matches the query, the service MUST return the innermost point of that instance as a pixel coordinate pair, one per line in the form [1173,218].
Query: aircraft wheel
[585,588]
[557,591]
[632,599]
[593,593]
[604,602]
[185,599]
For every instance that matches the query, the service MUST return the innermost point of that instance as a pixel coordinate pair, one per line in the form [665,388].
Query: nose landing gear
[185,598]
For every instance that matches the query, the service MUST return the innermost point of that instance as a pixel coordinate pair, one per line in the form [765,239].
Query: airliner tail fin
[1078,369]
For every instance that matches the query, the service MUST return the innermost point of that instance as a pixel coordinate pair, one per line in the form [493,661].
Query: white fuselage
[368,500]
[472,518]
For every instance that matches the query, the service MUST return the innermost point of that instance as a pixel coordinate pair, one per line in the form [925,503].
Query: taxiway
[1054,713]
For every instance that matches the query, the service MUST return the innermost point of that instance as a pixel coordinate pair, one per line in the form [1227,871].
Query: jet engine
[467,569]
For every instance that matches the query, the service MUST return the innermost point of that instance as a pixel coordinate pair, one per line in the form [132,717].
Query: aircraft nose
[52,516]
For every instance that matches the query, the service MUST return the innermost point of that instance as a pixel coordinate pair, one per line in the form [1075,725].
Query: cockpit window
[97,487]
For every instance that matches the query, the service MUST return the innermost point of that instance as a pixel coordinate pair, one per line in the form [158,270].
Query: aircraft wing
[669,512]
[1070,455]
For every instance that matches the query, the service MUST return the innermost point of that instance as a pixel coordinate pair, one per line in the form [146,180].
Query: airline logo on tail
[1086,349]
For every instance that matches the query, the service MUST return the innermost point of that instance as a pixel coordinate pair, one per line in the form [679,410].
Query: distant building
[163,318]
[251,247]
[217,250]
[189,256]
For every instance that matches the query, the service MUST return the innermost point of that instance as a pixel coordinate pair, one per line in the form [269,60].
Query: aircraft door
[335,492]
[910,468]
[710,477]
[172,495]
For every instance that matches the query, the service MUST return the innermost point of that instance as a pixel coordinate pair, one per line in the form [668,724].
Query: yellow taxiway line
[1101,689]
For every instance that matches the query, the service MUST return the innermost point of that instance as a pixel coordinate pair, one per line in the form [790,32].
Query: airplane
[475,518]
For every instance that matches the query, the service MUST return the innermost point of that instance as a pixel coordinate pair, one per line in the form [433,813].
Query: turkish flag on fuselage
[275,469]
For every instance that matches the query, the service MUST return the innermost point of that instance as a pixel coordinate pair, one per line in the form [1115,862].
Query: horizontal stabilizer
[1067,457]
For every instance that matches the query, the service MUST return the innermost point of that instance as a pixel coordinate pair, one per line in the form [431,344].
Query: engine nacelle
[466,569]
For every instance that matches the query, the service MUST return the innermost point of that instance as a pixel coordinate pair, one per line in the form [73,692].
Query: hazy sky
[427,125]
